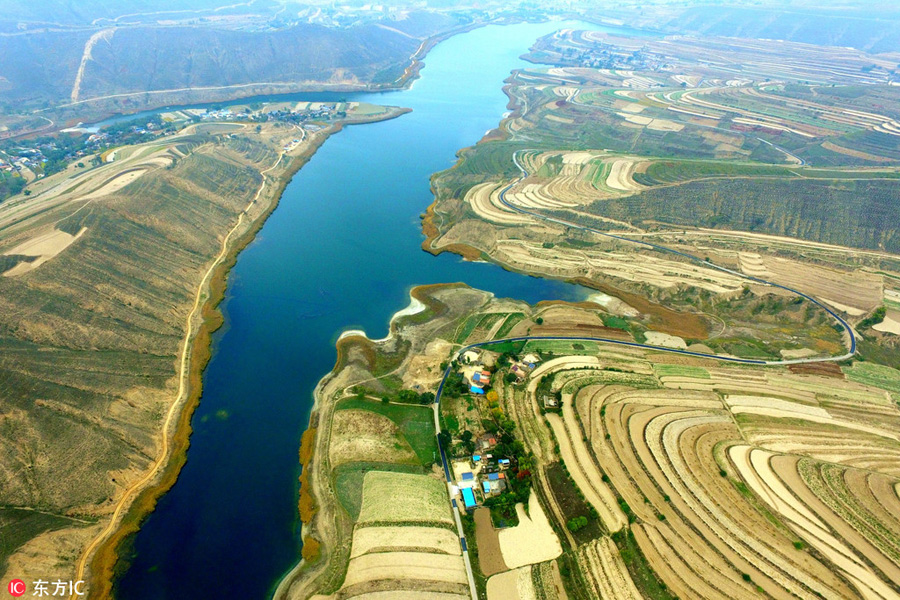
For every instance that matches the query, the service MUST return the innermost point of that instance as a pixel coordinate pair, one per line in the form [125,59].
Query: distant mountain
[142,59]
[876,30]
[41,68]
[85,12]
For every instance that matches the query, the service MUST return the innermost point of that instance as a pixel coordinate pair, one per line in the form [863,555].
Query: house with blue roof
[468,498]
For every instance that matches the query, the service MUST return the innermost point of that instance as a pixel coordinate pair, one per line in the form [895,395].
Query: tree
[408,396]
[468,443]
[492,396]
[539,320]
[576,523]
[426,398]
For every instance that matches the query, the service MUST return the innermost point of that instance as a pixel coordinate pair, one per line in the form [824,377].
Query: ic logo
[17,588]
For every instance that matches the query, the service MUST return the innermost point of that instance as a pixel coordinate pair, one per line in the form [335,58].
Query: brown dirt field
[533,540]
[663,319]
[857,483]
[584,474]
[668,564]
[714,531]
[773,547]
[856,289]
[885,490]
[408,538]
[608,571]
[625,472]
[722,565]
[512,585]
[424,369]
[837,523]
[823,369]
[585,463]
[403,567]
[490,558]
[669,358]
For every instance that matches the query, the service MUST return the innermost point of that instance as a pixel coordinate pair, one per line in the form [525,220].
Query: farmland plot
[403,497]
[715,517]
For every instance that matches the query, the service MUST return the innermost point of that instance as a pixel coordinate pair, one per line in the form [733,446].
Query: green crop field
[416,423]
[508,324]
[391,497]
[562,347]
[878,376]
[349,477]
[664,370]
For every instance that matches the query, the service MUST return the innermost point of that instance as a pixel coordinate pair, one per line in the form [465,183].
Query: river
[340,252]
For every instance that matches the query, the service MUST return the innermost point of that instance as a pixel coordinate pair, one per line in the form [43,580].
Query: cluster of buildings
[474,372]
[475,368]
[62,151]
[482,476]
[24,161]
[525,365]
[301,112]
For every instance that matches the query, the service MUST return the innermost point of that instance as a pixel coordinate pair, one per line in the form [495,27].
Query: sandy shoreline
[415,307]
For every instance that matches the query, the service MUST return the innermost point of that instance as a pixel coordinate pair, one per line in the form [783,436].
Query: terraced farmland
[731,482]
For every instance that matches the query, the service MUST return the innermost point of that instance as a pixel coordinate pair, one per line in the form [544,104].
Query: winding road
[707,263]
[732,359]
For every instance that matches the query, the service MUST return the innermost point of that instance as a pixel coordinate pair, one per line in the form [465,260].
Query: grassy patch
[615,322]
[643,576]
[503,347]
[672,171]
[415,422]
[468,327]
[861,214]
[876,353]
[572,503]
[742,347]
[348,481]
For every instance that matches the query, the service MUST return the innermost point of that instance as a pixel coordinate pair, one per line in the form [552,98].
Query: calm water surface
[341,251]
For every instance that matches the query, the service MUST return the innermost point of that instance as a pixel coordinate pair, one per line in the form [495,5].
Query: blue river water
[341,251]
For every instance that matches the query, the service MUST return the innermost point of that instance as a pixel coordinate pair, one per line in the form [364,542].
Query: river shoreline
[106,563]
[387,152]
[312,566]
